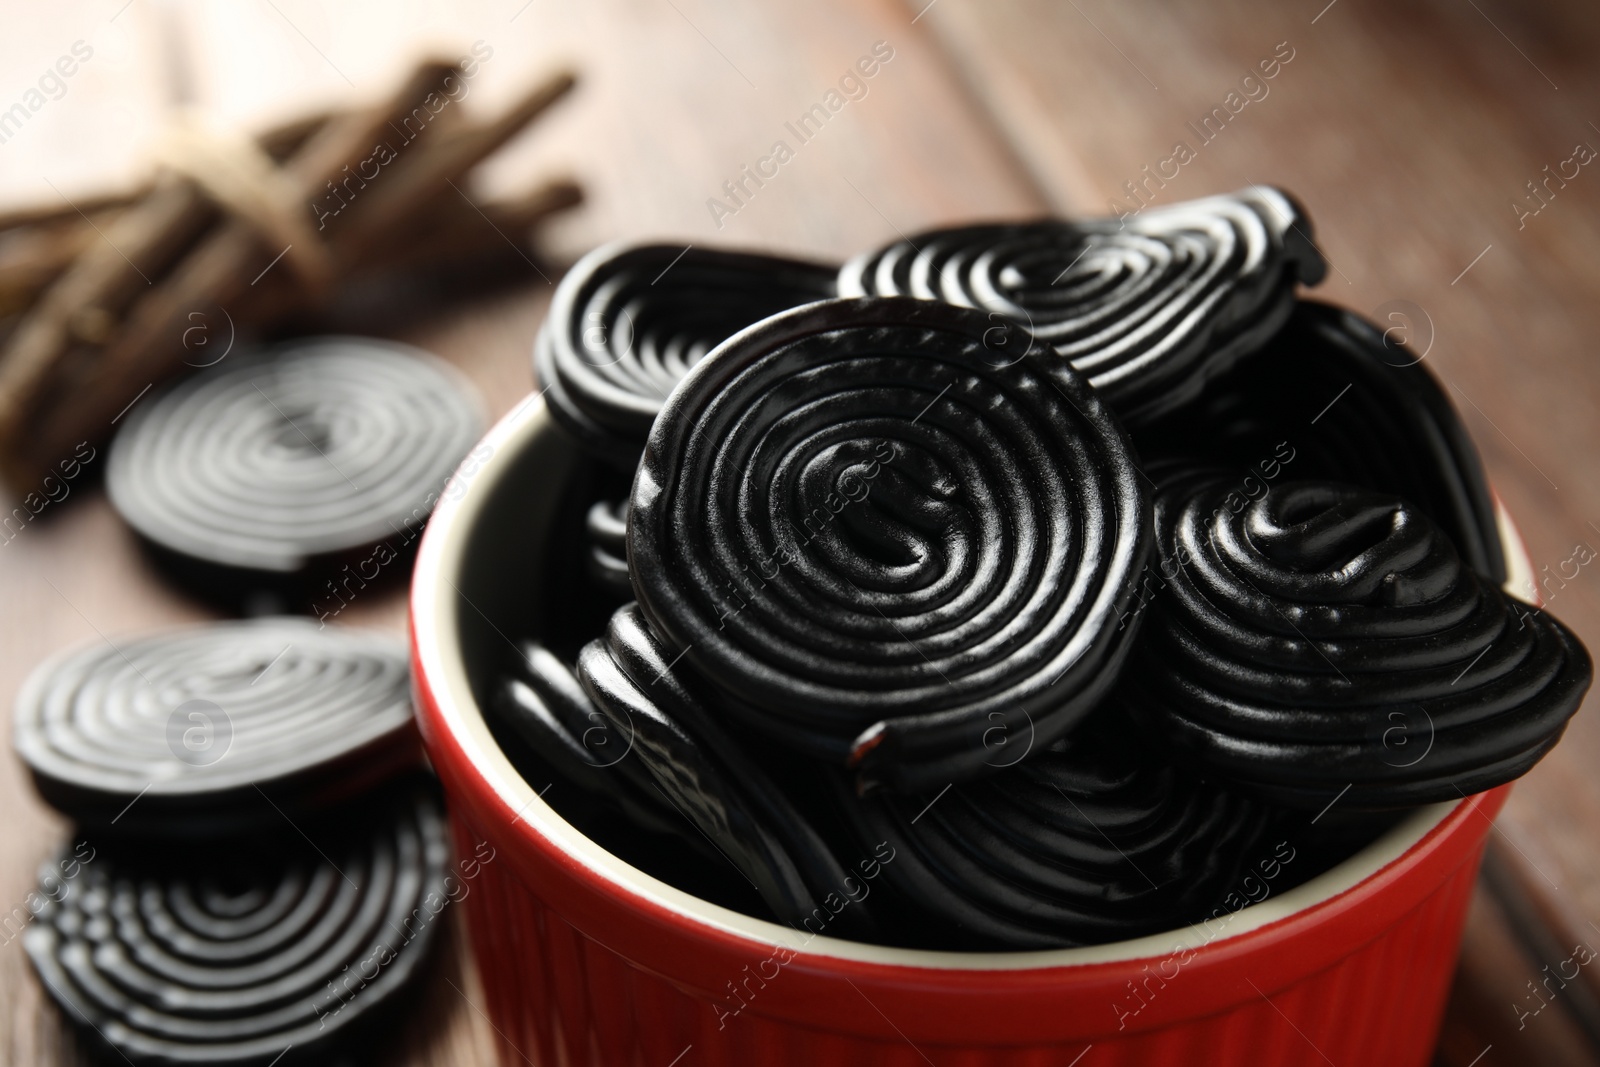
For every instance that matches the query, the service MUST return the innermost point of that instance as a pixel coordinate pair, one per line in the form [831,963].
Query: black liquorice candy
[1328,642]
[1146,307]
[1091,840]
[606,528]
[628,321]
[891,531]
[542,702]
[242,954]
[276,458]
[202,730]
[1333,397]
[659,712]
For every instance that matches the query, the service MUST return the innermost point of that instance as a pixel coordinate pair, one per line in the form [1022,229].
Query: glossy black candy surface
[1328,641]
[890,532]
[628,321]
[239,956]
[274,458]
[544,704]
[606,526]
[658,710]
[195,723]
[1094,839]
[1146,307]
[1351,404]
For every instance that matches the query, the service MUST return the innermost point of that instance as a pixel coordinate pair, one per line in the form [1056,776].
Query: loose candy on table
[1329,641]
[277,458]
[888,531]
[629,321]
[1146,307]
[1093,839]
[212,729]
[242,954]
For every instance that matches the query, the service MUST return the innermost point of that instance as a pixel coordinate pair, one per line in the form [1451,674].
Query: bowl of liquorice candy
[1021,639]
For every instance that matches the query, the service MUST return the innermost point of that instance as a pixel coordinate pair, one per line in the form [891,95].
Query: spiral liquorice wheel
[1328,641]
[240,957]
[606,526]
[1146,307]
[1091,840]
[701,771]
[628,321]
[182,732]
[1334,397]
[892,532]
[544,704]
[272,459]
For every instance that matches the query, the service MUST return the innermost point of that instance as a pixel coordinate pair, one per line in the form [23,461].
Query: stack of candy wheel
[260,862]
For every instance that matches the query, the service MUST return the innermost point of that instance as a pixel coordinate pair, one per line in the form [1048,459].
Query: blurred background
[1433,142]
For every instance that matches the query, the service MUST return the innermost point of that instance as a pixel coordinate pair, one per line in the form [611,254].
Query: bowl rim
[440,675]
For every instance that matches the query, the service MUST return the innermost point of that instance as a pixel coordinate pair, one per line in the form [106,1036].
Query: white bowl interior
[474,580]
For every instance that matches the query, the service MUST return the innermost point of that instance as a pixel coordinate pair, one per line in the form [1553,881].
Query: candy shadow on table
[323,589]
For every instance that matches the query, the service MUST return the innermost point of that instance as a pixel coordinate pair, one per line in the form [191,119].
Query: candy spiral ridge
[606,528]
[629,321]
[702,772]
[1146,307]
[1329,641]
[893,533]
[248,955]
[1351,404]
[1089,841]
[183,719]
[271,459]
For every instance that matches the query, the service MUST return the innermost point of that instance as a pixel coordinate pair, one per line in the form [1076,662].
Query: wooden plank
[1481,1028]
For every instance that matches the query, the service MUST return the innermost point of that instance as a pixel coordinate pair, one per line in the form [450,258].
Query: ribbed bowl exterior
[1362,982]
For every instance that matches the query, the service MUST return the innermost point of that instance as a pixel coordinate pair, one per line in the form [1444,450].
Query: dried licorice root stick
[215,270]
[80,307]
[895,534]
[457,232]
[1146,308]
[41,244]
[432,169]
[100,284]
[1089,841]
[628,321]
[700,772]
[1328,641]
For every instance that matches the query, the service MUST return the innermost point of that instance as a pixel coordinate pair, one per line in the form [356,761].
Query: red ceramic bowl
[587,960]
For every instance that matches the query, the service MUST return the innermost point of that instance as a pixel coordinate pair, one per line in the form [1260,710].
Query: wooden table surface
[1409,129]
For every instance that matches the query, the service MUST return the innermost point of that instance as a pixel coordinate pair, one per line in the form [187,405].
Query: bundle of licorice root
[102,297]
